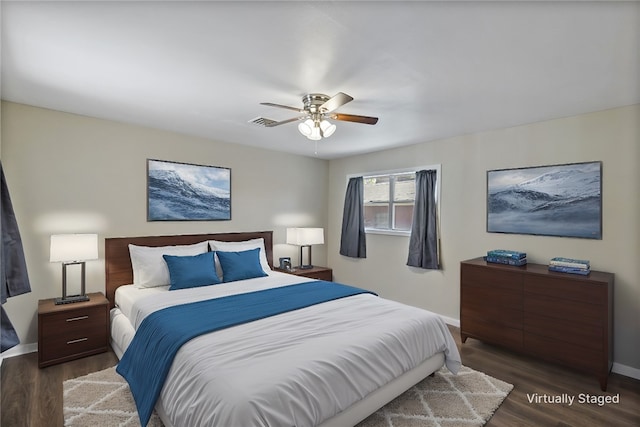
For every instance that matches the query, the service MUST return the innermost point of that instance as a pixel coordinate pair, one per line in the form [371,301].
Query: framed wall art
[558,200]
[187,192]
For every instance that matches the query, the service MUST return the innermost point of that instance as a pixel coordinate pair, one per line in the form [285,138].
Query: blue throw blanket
[146,362]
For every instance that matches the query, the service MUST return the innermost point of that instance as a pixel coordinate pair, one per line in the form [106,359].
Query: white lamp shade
[305,127]
[73,247]
[315,134]
[327,128]
[305,236]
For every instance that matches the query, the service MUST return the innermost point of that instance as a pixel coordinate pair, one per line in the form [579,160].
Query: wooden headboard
[118,269]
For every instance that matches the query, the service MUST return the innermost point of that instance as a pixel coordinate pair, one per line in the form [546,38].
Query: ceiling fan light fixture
[315,134]
[327,128]
[306,127]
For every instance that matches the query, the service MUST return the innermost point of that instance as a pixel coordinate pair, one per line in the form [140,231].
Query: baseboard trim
[18,350]
[451,321]
[625,370]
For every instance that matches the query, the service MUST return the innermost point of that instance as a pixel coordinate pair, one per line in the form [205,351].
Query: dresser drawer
[566,288]
[561,309]
[496,315]
[490,297]
[487,277]
[491,332]
[569,354]
[574,332]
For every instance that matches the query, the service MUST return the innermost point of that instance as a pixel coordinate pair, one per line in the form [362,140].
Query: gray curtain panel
[423,243]
[353,241]
[13,267]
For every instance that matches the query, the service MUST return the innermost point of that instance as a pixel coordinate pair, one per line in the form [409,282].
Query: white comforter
[294,369]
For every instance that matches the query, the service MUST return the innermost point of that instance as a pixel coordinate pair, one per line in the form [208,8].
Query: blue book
[506,253]
[505,260]
[569,262]
[570,270]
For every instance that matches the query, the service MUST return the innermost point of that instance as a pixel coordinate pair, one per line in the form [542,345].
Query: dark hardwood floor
[32,397]
[530,376]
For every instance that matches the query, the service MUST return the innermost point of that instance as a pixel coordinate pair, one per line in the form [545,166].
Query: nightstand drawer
[73,345]
[71,331]
[66,324]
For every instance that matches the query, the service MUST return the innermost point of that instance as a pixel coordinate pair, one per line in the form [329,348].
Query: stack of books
[570,265]
[504,256]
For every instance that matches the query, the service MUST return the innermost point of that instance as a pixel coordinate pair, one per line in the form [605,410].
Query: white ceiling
[428,70]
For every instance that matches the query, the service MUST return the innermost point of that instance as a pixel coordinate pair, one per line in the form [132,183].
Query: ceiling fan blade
[294,119]
[268,123]
[336,101]
[271,104]
[353,118]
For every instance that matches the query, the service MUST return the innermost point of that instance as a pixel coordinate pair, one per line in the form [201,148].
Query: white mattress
[298,368]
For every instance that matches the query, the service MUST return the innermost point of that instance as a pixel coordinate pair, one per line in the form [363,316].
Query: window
[388,200]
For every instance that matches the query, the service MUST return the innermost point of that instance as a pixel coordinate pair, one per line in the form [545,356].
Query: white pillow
[150,269]
[245,245]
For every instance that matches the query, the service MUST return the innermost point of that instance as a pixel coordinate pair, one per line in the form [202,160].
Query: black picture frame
[563,200]
[285,263]
[187,192]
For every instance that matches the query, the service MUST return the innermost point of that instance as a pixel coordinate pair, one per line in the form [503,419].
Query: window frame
[391,173]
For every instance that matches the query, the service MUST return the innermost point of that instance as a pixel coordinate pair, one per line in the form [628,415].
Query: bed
[329,364]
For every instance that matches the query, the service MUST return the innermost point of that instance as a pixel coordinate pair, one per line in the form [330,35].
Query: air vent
[261,121]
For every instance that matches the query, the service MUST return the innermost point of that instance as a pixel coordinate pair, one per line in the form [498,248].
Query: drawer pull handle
[78,340]
[73,319]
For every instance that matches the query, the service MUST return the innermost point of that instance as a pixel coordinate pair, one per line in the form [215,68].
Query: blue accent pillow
[191,271]
[240,265]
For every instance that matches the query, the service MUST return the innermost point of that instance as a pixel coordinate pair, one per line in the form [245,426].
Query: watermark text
[569,399]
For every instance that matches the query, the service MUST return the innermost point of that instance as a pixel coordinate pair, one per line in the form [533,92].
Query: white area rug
[444,400]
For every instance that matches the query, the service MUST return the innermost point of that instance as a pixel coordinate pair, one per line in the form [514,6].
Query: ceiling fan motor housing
[313,101]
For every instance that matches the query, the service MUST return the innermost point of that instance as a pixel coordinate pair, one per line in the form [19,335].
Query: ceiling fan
[315,112]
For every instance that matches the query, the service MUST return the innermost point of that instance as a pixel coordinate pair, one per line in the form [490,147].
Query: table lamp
[73,249]
[305,237]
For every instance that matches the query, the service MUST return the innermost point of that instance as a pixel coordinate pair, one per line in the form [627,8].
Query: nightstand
[72,331]
[320,273]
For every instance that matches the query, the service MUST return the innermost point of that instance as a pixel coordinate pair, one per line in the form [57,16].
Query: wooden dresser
[559,317]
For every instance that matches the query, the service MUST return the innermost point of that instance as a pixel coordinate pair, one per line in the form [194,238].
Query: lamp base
[71,299]
[305,267]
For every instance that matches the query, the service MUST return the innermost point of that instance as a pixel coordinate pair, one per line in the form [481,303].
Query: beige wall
[70,173]
[611,136]
[74,174]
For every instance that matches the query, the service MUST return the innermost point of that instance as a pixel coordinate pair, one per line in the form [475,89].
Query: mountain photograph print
[559,200]
[186,192]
